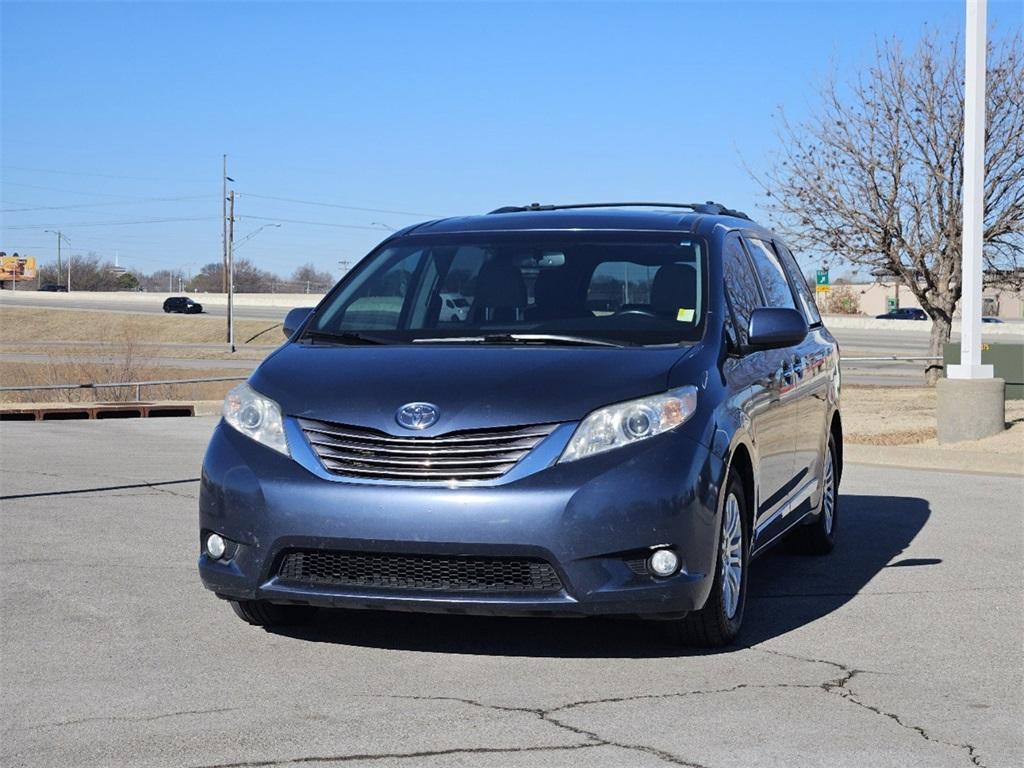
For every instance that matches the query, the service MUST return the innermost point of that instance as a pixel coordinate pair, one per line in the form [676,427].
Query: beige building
[877,298]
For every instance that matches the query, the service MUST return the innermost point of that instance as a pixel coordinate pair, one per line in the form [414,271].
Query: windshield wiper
[525,338]
[343,337]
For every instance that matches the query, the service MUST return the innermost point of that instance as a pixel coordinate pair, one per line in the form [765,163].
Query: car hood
[472,387]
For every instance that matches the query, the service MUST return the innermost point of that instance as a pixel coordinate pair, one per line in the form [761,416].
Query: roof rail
[710,207]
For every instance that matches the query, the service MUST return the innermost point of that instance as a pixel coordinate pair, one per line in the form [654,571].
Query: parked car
[903,313]
[53,288]
[540,458]
[454,307]
[182,304]
[990,319]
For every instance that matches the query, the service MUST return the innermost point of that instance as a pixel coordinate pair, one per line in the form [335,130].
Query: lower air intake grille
[419,572]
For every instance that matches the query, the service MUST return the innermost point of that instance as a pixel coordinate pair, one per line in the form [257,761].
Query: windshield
[624,287]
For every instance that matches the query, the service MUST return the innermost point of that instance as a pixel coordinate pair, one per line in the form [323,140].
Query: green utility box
[1007,359]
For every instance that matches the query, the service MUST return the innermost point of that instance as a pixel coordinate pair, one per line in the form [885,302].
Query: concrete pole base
[970,409]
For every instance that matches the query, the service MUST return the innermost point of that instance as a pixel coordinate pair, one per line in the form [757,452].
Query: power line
[311,223]
[119,223]
[334,205]
[141,200]
[101,175]
[58,189]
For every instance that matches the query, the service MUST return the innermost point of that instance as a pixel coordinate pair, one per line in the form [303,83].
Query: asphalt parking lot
[901,649]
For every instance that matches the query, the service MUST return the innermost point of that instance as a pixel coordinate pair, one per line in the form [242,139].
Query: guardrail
[119,385]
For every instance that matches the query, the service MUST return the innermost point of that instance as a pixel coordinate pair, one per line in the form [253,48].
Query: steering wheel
[643,312]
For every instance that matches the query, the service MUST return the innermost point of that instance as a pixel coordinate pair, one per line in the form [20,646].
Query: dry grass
[14,374]
[23,325]
[906,416]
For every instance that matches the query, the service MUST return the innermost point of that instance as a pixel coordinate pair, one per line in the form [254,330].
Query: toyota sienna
[639,399]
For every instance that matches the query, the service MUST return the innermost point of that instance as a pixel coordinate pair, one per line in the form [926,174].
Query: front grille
[478,454]
[419,572]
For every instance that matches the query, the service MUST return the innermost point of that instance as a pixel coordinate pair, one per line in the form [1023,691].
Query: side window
[803,292]
[379,302]
[777,291]
[741,286]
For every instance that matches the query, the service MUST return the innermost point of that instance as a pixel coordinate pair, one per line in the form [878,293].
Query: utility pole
[60,236]
[231,272]
[224,234]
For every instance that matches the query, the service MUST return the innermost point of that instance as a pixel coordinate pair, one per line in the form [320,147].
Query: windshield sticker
[685,315]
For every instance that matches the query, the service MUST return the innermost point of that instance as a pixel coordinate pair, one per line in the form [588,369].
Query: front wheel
[718,623]
[263,614]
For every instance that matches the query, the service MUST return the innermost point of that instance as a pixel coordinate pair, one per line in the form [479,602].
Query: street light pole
[231,272]
[971,402]
[973,198]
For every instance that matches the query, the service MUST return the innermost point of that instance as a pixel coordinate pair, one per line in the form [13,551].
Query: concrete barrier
[130,299]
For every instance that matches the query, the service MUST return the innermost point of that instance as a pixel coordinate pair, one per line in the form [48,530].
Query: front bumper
[589,519]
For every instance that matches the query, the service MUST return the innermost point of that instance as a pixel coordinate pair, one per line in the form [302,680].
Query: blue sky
[418,110]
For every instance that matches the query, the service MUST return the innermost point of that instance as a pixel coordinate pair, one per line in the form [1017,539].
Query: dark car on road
[182,304]
[641,399]
[53,288]
[903,313]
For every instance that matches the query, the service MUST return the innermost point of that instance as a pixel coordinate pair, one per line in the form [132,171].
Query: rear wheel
[718,622]
[819,538]
[263,614]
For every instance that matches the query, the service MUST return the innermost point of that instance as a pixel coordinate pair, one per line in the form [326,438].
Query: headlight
[256,416]
[625,423]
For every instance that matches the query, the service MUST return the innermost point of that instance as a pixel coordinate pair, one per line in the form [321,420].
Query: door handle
[799,364]
[785,374]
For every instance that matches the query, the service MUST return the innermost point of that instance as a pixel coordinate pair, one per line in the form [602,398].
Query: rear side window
[803,292]
[741,286]
[777,291]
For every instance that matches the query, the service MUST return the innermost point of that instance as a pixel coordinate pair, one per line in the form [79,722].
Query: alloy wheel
[731,556]
[828,502]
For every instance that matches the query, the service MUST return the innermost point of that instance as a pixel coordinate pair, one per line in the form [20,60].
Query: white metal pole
[973,198]
[231,273]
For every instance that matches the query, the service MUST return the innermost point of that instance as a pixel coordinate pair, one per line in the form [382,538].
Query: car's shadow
[786,592]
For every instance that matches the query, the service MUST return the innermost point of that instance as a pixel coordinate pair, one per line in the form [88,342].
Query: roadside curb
[939,459]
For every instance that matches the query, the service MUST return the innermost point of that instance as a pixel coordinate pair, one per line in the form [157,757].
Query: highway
[902,648]
[853,342]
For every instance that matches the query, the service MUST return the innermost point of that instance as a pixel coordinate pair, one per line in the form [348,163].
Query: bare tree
[874,175]
[309,278]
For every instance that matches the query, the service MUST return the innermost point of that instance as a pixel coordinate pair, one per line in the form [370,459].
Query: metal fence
[171,382]
[122,384]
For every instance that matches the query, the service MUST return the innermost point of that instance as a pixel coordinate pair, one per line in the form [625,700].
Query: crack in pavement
[123,718]
[350,758]
[155,485]
[838,686]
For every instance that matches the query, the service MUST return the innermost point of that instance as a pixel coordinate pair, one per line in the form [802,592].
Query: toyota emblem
[417,415]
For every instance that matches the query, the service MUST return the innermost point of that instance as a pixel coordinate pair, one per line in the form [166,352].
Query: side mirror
[294,320]
[773,327]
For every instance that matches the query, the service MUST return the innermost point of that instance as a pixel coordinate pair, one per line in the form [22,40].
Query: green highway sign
[821,281]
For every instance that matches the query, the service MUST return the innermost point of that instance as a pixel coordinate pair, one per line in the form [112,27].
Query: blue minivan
[639,399]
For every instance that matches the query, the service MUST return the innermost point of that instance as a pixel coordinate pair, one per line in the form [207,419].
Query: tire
[263,614]
[819,537]
[718,623]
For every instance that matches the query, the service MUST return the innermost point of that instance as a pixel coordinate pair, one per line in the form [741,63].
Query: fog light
[663,562]
[215,546]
